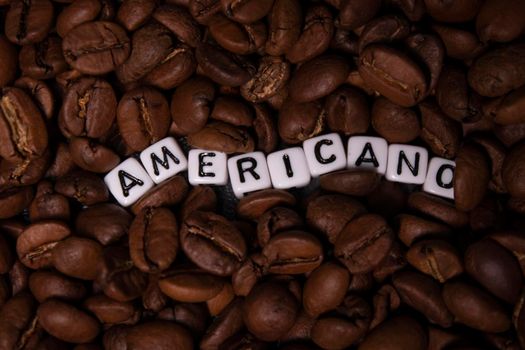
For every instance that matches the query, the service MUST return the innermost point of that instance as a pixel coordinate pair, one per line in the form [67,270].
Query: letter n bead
[324,154]
[163,159]
[248,173]
[407,164]
[207,167]
[128,182]
[440,177]
[288,168]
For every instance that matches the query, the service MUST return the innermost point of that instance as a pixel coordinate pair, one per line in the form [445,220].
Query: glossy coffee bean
[256,204]
[300,121]
[401,332]
[41,92]
[91,156]
[246,11]
[284,26]
[471,177]
[28,23]
[51,284]
[222,137]
[347,111]
[190,286]
[275,220]
[48,205]
[9,56]
[351,182]
[512,171]
[160,335]
[437,258]
[134,14]
[272,75]
[105,222]
[84,187]
[78,257]
[395,123]
[77,13]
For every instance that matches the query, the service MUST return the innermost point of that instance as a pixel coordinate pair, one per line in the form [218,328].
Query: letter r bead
[248,173]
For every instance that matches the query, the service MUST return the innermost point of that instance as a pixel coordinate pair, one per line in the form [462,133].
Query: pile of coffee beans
[355,262]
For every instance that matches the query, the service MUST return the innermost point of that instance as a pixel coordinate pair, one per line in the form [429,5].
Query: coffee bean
[284,26]
[77,13]
[447,13]
[51,284]
[435,257]
[204,11]
[293,252]
[325,288]
[143,117]
[85,187]
[438,208]
[238,38]
[470,306]
[179,21]
[265,129]
[109,311]
[512,171]
[405,85]
[159,335]
[319,77]
[201,198]
[271,76]
[366,236]
[211,233]
[504,27]
[48,205]
[495,268]
[40,92]
[194,97]
[153,239]
[471,177]
[190,286]
[383,29]
[275,220]
[77,257]
[439,132]
[247,11]
[423,294]
[412,228]
[105,222]
[28,23]
[96,47]
[395,123]
[347,111]
[356,13]
[67,322]
[89,155]
[24,172]
[255,204]
[133,14]
[7,258]
[233,111]
[459,43]
[351,182]
[222,137]
[300,121]
[429,49]
[43,60]
[168,193]
[220,301]
[270,311]
[400,332]
[9,56]
[16,319]
[344,327]
[177,66]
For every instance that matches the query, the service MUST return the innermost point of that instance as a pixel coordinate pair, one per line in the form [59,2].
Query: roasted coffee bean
[393,74]
[271,76]
[9,57]
[153,239]
[18,322]
[293,252]
[24,172]
[470,305]
[201,198]
[51,284]
[228,323]
[284,26]
[471,177]
[495,268]
[13,201]
[36,243]
[222,137]
[28,23]
[345,327]
[459,43]
[503,27]
[91,156]
[265,129]
[423,294]
[383,29]
[43,60]
[347,111]
[233,111]
[159,335]
[270,311]
[223,244]
[168,193]
[41,93]
[77,257]
[67,322]
[506,110]
[133,14]
[255,204]
[204,11]
[247,11]
[96,47]
[109,311]
[220,301]
[149,46]
[447,12]
[356,13]
[400,332]
[89,108]
[498,71]
[429,49]
[364,243]
[177,66]
[193,98]
[143,117]
[395,123]
[438,208]
[21,126]
[223,67]
[7,258]
[325,288]
[439,132]
[512,171]
[190,286]
[238,38]
[105,222]
[351,182]
[300,121]
[179,21]
[345,41]
[317,31]
[86,188]
[412,228]
[76,13]
[48,205]
[319,77]
[275,220]
[437,258]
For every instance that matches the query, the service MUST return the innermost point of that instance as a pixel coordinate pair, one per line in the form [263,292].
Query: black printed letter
[164,162]
[372,159]
[317,152]
[288,165]
[414,169]
[202,164]
[122,176]
[250,169]
[439,176]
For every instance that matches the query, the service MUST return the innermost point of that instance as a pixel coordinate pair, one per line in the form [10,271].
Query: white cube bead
[367,152]
[163,159]
[407,164]
[288,168]
[207,167]
[128,182]
[248,172]
[324,154]
[440,177]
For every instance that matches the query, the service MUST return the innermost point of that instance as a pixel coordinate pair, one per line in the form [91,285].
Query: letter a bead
[128,182]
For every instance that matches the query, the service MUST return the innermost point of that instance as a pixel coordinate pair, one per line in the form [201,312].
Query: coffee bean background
[351,261]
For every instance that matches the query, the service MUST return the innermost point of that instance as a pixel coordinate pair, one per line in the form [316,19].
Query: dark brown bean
[43,60]
[109,311]
[159,335]
[437,258]
[446,11]
[179,21]
[513,169]
[76,13]
[9,57]
[459,43]
[48,205]
[300,121]
[351,182]
[393,122]
[500,20]
[28,23]
[471,177]
[85,187]
[275,220]
[356,13]
[40,91]
[347,111]
[271,76]
[168,193]
[106,222]
[246,11]
[398,333]
[284,26]
[51,284]
[440,133]
[238,38]
[412,228]
[134,13]
[191,286]
[78,257]
[92,156]
[255,204]
[438,208]
[222,137]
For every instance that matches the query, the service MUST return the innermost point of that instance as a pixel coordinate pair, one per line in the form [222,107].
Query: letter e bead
[248,173]
[128,182]
[207,167]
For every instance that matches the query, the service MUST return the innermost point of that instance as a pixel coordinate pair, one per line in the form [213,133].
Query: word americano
[284,169]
